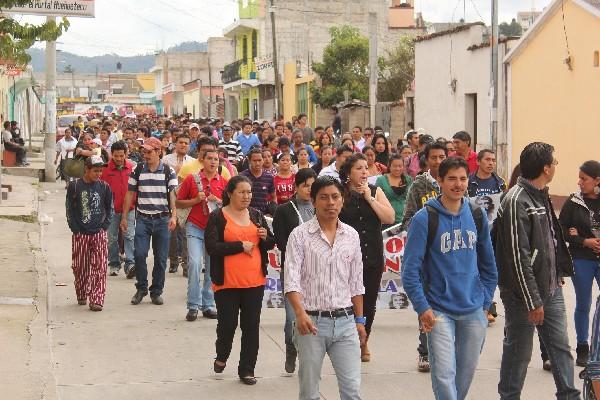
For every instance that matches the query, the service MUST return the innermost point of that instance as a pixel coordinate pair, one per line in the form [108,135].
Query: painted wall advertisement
[60,8]
[391,294]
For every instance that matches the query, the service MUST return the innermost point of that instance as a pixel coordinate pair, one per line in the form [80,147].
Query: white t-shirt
[171,160]
[63,145]
[6,136]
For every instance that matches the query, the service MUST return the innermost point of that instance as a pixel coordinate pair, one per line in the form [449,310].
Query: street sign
[59,8]
[263,63]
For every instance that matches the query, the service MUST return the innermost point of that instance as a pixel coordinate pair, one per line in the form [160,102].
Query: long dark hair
[345,172]
[231,186]
[383,157]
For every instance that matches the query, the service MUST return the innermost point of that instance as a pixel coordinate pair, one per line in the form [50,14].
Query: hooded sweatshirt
[457,274]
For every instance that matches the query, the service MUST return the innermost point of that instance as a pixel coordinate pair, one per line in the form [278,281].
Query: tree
[512,29]
[396,70]
[16,38]
[344,67]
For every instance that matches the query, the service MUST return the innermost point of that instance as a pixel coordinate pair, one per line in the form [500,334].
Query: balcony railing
[232,72]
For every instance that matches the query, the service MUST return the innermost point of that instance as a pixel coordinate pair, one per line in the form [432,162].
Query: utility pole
[277,102]
[494,79]
[372,66]
[50,135]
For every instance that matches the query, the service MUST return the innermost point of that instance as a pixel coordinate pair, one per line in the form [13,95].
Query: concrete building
[452,83]
[302,32]
[553,88]
[173,70]
[527,18]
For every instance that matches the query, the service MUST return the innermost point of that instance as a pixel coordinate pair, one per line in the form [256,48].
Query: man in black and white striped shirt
[234,150]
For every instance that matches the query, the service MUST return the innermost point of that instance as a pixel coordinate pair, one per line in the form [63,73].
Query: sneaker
[173,265]
[210,314]
[191,315]
[290,358]
[131,272]
[547,366]
[583,352]
[114,271]
[423,364]
[157,300]
[138,296]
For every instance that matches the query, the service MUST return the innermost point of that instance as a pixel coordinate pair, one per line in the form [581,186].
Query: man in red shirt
[462,144]
[203,192]
[116,174]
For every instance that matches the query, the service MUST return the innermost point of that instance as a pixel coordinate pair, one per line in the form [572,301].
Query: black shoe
[157,300]
[219,368]
[131,272]
[583,352]
[290,358]
[547,365]
[191,315]
[138,296]
[210,314]
[248,380]
[173,267]
[185,271]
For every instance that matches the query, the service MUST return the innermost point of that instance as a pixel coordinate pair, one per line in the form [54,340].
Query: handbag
[184,213]
[73,167]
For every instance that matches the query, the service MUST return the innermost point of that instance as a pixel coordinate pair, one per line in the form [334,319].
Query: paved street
[146,351]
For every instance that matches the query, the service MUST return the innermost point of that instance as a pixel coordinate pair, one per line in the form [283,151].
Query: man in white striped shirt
[234,149]
[324,285]
[154,183]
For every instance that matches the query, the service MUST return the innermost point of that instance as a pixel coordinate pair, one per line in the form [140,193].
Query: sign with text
[263,63]
[391,295]
[60,8]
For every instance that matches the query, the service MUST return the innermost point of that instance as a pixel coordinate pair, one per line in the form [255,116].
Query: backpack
[433,221]
[138,170]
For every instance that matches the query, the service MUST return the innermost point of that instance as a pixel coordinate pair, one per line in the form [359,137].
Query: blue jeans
[290,315]
[585,273]
[518,344]
[455,344]
[158,230]
[114,260]
[198,258]
[338,338]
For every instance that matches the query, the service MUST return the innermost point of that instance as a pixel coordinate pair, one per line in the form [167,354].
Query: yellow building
[554,88]
[296,93]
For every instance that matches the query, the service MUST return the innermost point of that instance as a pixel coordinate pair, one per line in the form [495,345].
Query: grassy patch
[30,219]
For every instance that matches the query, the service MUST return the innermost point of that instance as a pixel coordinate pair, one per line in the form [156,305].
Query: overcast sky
[130,27]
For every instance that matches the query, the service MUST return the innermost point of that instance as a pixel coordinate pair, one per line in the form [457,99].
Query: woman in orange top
[237,239]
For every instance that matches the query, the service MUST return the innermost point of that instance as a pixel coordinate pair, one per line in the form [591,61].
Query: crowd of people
[214,197]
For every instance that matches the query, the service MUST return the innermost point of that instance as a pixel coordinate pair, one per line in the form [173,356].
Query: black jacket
[576,214]
[284,221]
[217,248]
[521,235]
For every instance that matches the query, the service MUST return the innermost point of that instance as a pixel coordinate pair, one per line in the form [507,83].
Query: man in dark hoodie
[424,188]
[450,278]
[533,259]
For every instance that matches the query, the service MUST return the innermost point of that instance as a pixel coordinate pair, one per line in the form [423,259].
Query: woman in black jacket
[580,219]
[288,216]
[237,239]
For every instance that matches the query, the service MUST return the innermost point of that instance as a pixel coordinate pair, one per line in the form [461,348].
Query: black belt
[340,312]
[154,216]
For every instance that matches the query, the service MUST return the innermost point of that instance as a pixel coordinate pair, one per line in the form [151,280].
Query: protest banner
[60,8]
[391,294]
[490,203]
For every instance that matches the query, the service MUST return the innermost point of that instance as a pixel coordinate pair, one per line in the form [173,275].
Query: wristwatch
[360,320]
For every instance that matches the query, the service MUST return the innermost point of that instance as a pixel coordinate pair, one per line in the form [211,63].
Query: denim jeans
[197,258]
[178,245]
[586,271]
[518,344]
[290,315]
[114,260]
[157,230]
[337,337]
[455,344]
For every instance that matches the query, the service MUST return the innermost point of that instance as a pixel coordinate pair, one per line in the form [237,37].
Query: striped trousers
[90,260]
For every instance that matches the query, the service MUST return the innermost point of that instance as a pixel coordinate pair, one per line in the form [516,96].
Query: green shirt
[396,200]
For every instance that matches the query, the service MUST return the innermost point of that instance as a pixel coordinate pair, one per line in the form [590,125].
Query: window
[302,102]
[245,49]
[596,59]
[254,44]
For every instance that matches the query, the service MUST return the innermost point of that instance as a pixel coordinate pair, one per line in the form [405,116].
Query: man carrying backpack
[449,274]
[154,183]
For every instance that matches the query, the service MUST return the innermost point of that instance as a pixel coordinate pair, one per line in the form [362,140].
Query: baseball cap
[94,161]
[152,143]
[194,126]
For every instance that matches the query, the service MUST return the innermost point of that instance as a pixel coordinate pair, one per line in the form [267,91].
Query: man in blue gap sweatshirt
[451,283]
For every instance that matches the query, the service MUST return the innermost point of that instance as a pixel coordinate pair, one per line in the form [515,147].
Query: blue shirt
[248,141]
[151,188]
[312,157]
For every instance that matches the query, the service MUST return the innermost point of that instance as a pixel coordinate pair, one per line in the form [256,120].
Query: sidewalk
[151,352]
